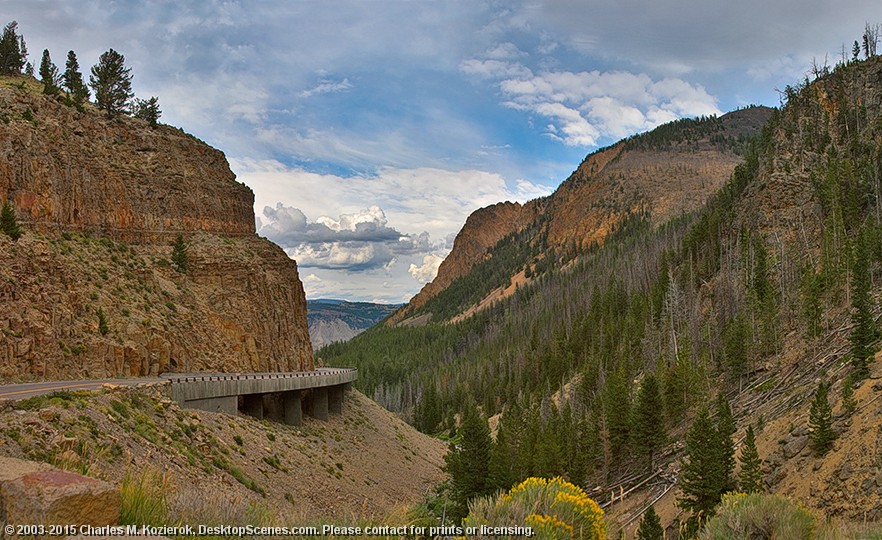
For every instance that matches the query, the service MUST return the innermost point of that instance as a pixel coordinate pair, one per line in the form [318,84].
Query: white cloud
[427,271]
[327,87]
[585,107]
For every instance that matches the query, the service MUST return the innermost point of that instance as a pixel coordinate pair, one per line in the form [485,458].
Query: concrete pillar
[293,408]
[320,403]
[252,405]
[273,407]
[335,399]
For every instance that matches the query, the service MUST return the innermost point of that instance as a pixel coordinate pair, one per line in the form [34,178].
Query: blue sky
[370,129]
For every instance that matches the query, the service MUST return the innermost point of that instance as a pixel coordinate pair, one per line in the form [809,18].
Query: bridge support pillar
[320,403]
[335,399]
[293,408]
[252,405]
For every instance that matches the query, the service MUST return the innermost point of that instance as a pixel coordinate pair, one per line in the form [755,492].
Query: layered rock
[70,170]
[89,291]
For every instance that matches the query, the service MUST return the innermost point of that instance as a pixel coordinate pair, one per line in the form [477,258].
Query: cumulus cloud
[426,272]
[584,107]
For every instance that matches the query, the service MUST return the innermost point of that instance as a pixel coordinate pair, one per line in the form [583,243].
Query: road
[26,390]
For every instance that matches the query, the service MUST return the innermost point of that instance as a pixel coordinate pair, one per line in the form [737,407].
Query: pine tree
[650,526]
[467,462]
[855,50]
[48,75]
[503,469]
[112,82]
[428,414]
[102,323]
[648,433]
[863,334]
[148,110]
[750,477]
[726,448]
[179,255]
[702,477]
[72,80]
[822,435]
[8,222]
[12,57]
[617,408]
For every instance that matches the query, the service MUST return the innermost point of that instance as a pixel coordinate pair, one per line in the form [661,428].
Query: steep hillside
[767,290]
[211,468]
[89,290]
[665,173]
[338,320]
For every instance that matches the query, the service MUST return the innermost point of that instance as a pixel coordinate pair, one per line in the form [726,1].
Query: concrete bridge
[284,397]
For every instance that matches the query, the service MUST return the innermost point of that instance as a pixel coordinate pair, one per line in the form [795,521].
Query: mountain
[669,171]
[757,291]
[90,290]
[339,320]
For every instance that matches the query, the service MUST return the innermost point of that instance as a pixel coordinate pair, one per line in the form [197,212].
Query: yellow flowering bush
[554,508]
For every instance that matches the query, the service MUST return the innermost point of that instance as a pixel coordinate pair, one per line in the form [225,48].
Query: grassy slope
[365,464]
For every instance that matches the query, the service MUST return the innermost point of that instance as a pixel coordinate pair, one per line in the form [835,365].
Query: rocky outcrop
[666,173]
[68,170]
[89,290]
[35,493]
[482,230]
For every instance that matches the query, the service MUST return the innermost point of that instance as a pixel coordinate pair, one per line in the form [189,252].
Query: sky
[370,129]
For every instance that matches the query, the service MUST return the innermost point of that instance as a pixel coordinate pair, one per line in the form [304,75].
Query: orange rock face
[101,202]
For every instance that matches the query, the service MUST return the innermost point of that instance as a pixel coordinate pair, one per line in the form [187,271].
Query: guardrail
[192,377]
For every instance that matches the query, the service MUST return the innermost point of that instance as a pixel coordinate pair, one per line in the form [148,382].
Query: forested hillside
[758,296]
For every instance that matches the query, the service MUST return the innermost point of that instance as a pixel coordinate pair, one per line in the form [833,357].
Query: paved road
[26,390]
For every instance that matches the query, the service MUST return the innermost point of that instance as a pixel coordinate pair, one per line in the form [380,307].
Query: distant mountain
[667,172]
[338,320]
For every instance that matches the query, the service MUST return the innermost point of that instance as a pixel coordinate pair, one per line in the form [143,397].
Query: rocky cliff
[482,230]
[666,172]
[89,290]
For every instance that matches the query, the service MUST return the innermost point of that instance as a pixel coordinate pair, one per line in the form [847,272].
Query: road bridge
[284,397]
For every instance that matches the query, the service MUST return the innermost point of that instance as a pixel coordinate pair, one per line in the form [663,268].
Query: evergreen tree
[72,79]
[848,402]
[617,408]
[102,323]
[468,461]
[8,222]
[702,476]
[148,110]
[726,447]
[428,414]
[822,435]
[12,55]
[863,334]
[650,526]
[648,426]
[49,75]
[112,82]
[179,257]
[855,50]
[750,477]
[505,468]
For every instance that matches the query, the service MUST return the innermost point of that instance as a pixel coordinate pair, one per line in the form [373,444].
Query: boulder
[37,493]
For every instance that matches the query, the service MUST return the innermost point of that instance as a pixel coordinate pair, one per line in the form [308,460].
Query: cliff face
[89,290]
[67,170]
[667,172]
[482,230]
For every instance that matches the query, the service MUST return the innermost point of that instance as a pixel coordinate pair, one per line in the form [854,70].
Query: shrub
[554,508]
[757,515]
